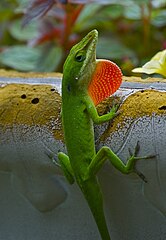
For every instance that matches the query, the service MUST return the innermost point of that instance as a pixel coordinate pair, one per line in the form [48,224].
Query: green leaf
[113,11]
[112,49]
[133,12]
[22,5]
[20,57]
[49,59]
[94,14]
[160,19]
[85,19]
[32,59]
[23,33]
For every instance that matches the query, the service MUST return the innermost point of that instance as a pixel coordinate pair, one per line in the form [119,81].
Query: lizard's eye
[80,57]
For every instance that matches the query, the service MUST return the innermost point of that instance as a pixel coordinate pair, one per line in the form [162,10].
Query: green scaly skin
[78,115]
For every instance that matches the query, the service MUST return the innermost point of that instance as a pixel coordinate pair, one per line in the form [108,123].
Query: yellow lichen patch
[13,74]
[31,105]
[144,103]
[139,104]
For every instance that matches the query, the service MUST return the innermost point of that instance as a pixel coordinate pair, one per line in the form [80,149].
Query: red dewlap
[106,79]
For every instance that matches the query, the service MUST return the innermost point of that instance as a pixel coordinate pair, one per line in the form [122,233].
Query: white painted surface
[30,183]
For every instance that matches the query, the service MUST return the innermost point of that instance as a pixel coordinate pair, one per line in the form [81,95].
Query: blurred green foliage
[37,35]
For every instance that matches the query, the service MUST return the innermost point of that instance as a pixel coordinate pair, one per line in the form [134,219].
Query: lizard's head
[100,78]
[81,61]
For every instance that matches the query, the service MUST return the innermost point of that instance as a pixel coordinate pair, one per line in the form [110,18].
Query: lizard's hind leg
[106,153]
[66,167]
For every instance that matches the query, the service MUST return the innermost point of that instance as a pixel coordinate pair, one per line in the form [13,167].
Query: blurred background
[37,35]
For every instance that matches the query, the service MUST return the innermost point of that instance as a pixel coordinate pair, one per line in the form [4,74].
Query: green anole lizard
[86,82]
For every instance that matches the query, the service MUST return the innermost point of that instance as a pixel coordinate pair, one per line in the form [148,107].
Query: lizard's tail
[92,192]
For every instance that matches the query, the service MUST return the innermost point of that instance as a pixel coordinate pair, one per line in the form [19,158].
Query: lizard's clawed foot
[135,157]
[51,156]
[115,107]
